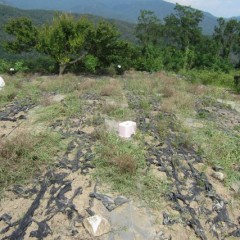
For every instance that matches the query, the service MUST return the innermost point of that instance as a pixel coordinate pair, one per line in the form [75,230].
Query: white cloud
[219,8]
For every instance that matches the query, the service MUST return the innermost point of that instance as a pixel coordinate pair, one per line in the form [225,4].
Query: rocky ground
[56,203]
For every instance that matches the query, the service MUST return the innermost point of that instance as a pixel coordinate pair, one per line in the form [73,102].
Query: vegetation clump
[25,154]
[122,164]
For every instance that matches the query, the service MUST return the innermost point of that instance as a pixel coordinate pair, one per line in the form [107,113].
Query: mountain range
[126,10]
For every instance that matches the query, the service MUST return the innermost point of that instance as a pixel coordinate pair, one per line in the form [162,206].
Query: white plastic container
[127,129]
[2,83]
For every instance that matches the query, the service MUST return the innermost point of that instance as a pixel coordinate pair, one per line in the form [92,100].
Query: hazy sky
[219,8]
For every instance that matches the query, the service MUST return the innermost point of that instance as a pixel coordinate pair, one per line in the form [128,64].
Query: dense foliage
[177,43]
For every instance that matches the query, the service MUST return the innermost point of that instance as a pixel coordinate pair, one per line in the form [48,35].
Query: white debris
[2,83]
[218,175]
[127,129]
[97,225]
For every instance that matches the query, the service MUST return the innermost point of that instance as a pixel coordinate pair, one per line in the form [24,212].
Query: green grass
[119,113]
[207,77]
[24,155]
[122,164]
[19,88]
[59,84]
[70,107]
[220,148]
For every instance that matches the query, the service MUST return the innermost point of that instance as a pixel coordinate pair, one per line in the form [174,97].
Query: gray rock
[235,186]
[217,168]
[97,225]
[130,223]
[107,201]
[218,175]
[120,200]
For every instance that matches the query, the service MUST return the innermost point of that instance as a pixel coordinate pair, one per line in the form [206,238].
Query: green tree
[66,40]
[107,46]
[149,28]
[25,35]
[182,28]
[182,31]
[69,41]
[227,35]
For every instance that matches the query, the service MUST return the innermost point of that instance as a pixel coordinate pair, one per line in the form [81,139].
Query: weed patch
[220,149]
[19,89]
[70,107]
[25,154]
[112,88]
[122,164]
[117,112]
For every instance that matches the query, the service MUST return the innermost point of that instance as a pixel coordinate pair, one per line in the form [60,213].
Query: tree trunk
[62,68]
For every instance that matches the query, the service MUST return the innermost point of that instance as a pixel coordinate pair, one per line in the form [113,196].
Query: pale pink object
[126,129]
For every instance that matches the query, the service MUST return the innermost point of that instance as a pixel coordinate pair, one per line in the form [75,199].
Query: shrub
[42,64]
[90,63]
[19,66]
[207,77]
[4,66]
[150,60]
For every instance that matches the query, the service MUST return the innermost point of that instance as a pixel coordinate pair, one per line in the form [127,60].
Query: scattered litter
[127,129]
[12,71]
[108,201]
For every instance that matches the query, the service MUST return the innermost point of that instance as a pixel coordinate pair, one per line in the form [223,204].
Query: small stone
[147,120]
[235,186]
[218,175]
[217,168]
[120,200]
[108,202]
[97,225]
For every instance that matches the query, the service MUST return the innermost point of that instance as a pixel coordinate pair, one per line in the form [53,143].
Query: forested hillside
[42,16]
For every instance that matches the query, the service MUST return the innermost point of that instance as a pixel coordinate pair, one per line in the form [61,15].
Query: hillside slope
[125,10]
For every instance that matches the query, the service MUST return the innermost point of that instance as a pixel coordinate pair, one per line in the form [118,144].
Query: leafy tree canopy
[68,40]
[182,28]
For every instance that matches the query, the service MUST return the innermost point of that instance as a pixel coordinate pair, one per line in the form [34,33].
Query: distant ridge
[126,10]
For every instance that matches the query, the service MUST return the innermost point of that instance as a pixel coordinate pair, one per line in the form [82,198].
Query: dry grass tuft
[61,84]
[197,89]
[107,108]
[14,149]
[23,154]
[113,88]
[126,163]
[165,79]
[46,100]
[180,101]
[168,91]
[87,84]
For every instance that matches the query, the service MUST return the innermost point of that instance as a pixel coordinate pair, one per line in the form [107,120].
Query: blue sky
[219,8]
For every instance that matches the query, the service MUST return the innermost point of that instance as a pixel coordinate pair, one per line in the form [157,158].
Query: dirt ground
[54,204]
